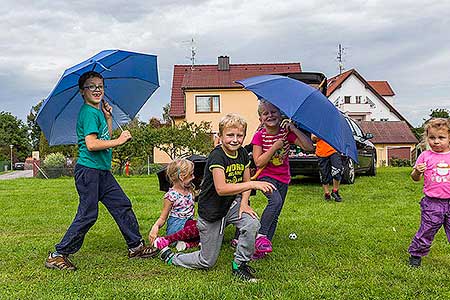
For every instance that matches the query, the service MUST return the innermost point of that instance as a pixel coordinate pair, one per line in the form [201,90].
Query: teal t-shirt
[92,120]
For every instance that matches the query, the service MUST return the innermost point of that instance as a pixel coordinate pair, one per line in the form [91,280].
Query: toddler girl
[178,209]
[434,165]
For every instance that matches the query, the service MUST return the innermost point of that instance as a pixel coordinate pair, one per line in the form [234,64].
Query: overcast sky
[404,42]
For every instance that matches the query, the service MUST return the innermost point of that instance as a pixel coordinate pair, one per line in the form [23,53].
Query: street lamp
[11,146]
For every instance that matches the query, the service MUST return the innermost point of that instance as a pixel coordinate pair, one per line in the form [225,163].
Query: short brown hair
[232,120]
[86,76]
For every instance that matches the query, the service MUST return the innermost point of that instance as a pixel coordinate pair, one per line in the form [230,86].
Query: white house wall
[375,111]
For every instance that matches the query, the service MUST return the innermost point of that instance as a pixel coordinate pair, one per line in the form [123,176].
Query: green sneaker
[243,272]
[166,255]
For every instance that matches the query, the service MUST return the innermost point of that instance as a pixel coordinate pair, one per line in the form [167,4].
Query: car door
[365,151]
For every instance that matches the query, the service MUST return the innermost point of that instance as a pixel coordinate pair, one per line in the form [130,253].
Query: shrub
[54,165]
[399,162]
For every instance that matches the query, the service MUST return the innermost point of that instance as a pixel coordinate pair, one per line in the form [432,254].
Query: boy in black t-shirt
[223,200]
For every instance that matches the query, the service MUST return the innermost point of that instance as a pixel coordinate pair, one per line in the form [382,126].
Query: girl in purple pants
[434,166]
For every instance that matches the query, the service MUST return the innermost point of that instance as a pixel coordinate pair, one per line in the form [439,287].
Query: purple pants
[435,213]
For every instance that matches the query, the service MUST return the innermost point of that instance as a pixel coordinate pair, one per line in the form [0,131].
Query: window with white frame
[358,99]
[207,103]
[346,99]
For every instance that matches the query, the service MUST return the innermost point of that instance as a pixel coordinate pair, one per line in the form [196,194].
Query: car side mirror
[368,136]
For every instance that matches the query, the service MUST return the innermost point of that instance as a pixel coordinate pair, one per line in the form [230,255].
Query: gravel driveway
[16,174]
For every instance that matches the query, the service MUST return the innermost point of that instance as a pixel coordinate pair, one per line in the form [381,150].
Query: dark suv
[306,163]
[302,163]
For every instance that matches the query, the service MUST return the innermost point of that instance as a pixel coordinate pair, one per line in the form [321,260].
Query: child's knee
[251,226]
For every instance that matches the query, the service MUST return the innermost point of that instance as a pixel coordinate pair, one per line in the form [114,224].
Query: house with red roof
[208,92]
[372,104]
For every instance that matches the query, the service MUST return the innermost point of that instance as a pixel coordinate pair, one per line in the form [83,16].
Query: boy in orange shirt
[330,168]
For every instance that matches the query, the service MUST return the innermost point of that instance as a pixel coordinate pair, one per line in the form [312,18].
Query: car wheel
[349,172]
[373,167]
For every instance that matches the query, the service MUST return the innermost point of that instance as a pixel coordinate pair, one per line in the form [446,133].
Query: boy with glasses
[94,180]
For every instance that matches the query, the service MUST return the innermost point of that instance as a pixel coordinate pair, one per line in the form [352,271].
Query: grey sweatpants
[211,236]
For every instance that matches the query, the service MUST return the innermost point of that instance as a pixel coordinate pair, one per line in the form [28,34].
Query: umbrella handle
[109,110]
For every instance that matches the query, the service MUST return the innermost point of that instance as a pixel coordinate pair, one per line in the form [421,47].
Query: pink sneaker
[258,255]
[233,243]
[161,242]
[263,244]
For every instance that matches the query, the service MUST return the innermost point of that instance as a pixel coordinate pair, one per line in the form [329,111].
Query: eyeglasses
[93,87]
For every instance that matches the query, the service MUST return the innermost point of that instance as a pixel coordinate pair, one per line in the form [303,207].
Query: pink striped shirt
[278,166]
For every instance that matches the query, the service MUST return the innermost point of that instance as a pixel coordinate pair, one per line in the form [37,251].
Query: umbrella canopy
[130,79]
[309,108]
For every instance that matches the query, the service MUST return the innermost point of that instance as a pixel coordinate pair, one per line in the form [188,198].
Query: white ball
[292,236]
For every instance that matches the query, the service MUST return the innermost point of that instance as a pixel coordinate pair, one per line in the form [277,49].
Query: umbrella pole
[117,123]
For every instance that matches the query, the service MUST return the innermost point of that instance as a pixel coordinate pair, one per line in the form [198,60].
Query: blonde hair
[436,123]
[179,167]
[232,120]
[262,104]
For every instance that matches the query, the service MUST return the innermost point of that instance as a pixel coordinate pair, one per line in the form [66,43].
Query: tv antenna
[193,52]
[340,58]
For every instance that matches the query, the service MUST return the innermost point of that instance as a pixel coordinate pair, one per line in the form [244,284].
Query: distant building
[371,103]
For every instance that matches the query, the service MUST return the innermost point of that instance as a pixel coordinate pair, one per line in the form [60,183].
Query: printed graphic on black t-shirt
[211,206]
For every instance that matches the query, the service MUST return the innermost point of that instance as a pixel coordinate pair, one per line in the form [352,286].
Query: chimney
[223,63]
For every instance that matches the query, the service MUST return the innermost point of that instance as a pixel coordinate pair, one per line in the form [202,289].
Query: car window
[355,128]
[351,126]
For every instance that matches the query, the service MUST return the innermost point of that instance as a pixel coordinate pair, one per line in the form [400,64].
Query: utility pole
[11,147]
[340,58]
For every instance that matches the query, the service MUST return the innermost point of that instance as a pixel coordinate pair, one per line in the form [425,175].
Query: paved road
[16,174]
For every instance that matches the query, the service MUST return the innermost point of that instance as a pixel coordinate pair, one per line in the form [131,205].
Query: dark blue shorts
[330,168]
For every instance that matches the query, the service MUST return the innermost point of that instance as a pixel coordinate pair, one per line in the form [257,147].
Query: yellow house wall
[382,152]
[237,101]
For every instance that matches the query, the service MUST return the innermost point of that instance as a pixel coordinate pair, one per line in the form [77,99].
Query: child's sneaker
[166,255]
[327,197]
[263,244]
[414,261]
[181,245]
[233,243]
[59,261]
[161,242]
[142,251]
[336,196]
[258,255]
[243,272]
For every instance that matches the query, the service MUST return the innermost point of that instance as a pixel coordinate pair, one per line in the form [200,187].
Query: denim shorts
[175,224]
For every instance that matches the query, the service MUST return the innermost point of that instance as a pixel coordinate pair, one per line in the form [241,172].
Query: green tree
[166,114]
[434,113]
[185,139]
[13,132]
[439,113]
[34,129]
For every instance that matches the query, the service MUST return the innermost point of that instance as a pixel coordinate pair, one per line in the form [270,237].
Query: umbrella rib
[131,77]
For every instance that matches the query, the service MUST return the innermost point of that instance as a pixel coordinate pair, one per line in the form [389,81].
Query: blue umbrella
[130,79]
[308,107]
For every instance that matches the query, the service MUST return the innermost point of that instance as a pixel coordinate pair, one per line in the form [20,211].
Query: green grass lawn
[351,250]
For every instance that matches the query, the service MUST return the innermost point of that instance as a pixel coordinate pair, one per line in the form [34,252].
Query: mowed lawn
[351,250]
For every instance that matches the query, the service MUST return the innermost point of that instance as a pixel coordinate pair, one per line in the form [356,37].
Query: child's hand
[278,144]
[289,126]
[421,167]
[124,137]
[248,210]
[153,234]
[265,187]
[107,109]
